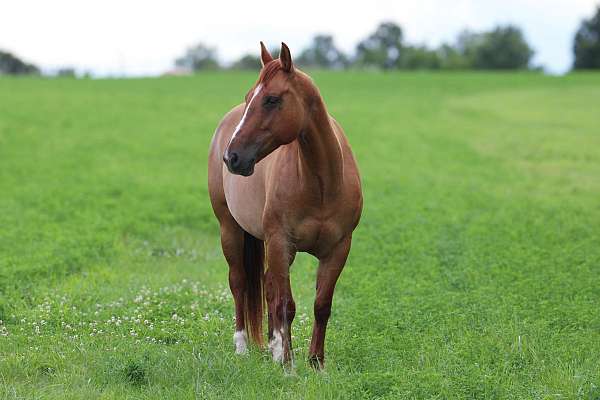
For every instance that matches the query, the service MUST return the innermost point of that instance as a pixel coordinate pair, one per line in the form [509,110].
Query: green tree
[382,49]
[504,47]
[66,72]
[451,58]
[12,65]
[586,45]
[322,53]
[419,57]
[199,57]
[247,62]
[468,44]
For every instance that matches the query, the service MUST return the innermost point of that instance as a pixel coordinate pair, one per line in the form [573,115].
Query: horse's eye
[271,102]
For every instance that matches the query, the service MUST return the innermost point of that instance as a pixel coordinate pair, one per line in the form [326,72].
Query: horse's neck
[320,153]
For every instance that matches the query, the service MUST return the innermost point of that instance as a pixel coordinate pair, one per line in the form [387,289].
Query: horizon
[143,39]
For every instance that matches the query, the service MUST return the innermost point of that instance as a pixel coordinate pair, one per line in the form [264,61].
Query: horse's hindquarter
[352,197]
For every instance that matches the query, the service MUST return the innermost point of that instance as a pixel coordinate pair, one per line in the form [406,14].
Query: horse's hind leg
[328,273]
[232,241]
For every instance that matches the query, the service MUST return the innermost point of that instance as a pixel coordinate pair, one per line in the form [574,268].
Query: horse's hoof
[316,362]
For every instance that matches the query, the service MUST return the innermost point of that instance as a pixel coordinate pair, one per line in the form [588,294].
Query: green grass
[474,272]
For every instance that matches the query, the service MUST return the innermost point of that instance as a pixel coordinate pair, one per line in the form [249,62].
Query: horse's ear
[286,58]
[265,56]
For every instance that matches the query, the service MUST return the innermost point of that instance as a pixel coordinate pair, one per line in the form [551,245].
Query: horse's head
[274,115]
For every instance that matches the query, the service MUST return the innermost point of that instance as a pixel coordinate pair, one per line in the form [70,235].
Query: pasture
[474,273]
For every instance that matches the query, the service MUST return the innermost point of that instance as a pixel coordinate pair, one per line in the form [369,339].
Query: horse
[282,179]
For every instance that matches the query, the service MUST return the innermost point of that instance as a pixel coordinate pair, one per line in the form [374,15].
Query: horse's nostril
[234,160]
[231,159]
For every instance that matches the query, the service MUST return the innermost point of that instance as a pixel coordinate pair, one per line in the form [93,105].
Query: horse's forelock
[269,71]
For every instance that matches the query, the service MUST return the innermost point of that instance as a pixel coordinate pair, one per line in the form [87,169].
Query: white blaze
[240,341]
[241,123]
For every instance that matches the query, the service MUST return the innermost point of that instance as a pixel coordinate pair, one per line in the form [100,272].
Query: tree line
[501,48]
[504,47]
[12,65]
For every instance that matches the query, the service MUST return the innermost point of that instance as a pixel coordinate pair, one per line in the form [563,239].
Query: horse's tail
[254,261]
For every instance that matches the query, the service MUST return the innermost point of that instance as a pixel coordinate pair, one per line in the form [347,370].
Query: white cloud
[143,37]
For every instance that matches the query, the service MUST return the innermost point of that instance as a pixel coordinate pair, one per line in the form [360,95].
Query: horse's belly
[315,236]
[246,201]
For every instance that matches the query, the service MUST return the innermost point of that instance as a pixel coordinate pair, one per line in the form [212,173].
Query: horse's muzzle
[237,165]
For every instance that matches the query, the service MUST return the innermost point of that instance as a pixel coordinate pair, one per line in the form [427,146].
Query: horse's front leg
[330,268]
[282,308]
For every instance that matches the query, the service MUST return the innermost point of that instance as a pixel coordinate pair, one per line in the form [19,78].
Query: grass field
[475,271]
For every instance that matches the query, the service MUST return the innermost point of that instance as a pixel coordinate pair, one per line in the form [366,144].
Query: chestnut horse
[282,179]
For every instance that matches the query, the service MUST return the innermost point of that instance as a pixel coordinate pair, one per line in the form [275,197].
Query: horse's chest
[246,202]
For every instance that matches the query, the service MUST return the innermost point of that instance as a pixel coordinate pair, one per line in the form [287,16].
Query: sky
[137,38]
